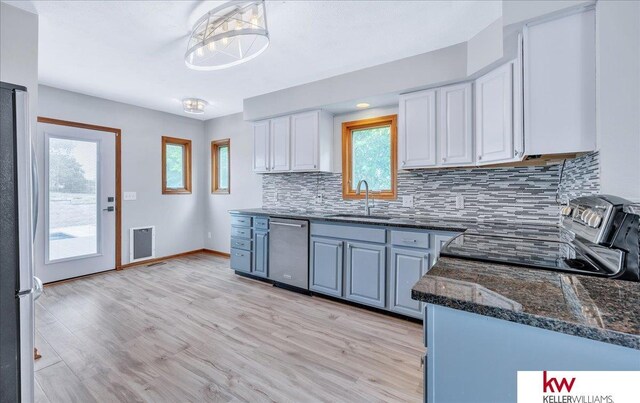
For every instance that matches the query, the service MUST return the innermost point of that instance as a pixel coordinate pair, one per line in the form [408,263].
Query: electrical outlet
[459,201]
[209,235]
[407,201]
[320,198]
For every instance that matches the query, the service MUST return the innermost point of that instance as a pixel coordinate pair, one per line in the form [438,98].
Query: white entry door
[79,201]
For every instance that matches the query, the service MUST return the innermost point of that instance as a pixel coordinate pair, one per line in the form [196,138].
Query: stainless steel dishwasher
[289,252]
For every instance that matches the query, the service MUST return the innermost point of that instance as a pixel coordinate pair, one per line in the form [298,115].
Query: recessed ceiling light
[362,105]
[194,105]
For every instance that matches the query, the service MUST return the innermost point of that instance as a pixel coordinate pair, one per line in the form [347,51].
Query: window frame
[215,180]
[347,152]
[186,165]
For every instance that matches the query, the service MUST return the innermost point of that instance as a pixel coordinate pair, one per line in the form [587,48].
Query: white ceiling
[133,51]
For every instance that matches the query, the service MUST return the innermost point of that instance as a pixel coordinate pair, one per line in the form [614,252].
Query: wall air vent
[142,243]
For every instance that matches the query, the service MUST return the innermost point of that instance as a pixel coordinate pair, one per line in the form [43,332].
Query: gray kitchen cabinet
[407,267]
[366,273]
[261,253]
[326,266]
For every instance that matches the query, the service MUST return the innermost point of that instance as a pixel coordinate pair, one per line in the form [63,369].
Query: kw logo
[548,384]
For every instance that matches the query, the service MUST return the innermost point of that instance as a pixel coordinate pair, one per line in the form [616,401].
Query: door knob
[110,208]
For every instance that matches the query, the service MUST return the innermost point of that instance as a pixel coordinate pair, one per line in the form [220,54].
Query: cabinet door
[279,132]
[366,274]
[261,253]
[494,110]
[417,129]
[305,132]
[261,146]
[326,266]
[407,267]
[560,84]
[455,130]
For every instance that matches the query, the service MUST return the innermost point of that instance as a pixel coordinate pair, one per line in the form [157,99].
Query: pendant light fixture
[230,34]
[194,105]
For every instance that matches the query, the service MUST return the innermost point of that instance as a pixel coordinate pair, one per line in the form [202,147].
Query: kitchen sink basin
[361,216]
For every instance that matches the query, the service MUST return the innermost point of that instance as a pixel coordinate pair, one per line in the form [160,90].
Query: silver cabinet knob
[444,159]
[479,157]
[404,163]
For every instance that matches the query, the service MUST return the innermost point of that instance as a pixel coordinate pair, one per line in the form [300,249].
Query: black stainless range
[599,237]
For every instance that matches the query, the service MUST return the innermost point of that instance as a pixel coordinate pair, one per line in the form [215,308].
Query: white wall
[178,218]
[246,186]
[618,97]
[19,50]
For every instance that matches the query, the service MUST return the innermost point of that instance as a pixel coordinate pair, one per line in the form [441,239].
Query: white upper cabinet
[560,84]
[280,142]
[455,125]
[261,161]
[302,142]
[417,130]
[305,132]
[494,116]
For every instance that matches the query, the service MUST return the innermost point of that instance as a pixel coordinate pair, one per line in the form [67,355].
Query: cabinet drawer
[261,223]
[237,243]
[241,220]
[410,238]
[241,260]
[239,232]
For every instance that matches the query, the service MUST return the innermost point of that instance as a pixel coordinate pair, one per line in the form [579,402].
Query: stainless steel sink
[361,216]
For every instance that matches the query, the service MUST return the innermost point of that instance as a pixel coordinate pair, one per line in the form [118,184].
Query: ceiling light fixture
[230,34]
[194,105]
[362,105]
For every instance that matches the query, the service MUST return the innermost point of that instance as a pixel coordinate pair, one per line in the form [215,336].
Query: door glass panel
[73,196]
[175,166]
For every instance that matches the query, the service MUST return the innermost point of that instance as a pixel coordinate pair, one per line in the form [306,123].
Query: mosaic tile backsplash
[525,194]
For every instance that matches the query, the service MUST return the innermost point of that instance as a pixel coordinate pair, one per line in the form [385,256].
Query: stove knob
[595,220]
[585,215]
[566,211]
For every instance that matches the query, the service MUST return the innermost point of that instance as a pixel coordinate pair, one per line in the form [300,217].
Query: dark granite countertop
[590,307]
[417,221]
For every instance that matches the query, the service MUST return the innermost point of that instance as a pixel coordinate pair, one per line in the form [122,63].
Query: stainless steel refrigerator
[18,220]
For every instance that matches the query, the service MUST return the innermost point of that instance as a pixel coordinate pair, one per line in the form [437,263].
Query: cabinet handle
[404,163]
[517,153]
[314,166]
[444,159]
[479,157]
[409,240]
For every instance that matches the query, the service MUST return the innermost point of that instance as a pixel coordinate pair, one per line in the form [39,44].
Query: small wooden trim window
[369,152]
[221,166]
[176,165]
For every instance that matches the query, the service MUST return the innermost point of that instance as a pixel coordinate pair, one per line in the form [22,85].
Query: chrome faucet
[367,209]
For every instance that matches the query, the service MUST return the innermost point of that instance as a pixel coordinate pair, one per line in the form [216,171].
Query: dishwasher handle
[286,224]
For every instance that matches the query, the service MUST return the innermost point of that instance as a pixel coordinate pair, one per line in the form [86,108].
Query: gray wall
[178,218]
[246,186]
[19,50]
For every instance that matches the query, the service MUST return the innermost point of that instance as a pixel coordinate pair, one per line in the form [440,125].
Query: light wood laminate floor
[192,330]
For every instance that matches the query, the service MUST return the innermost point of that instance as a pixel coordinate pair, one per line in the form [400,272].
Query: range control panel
[589,217]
